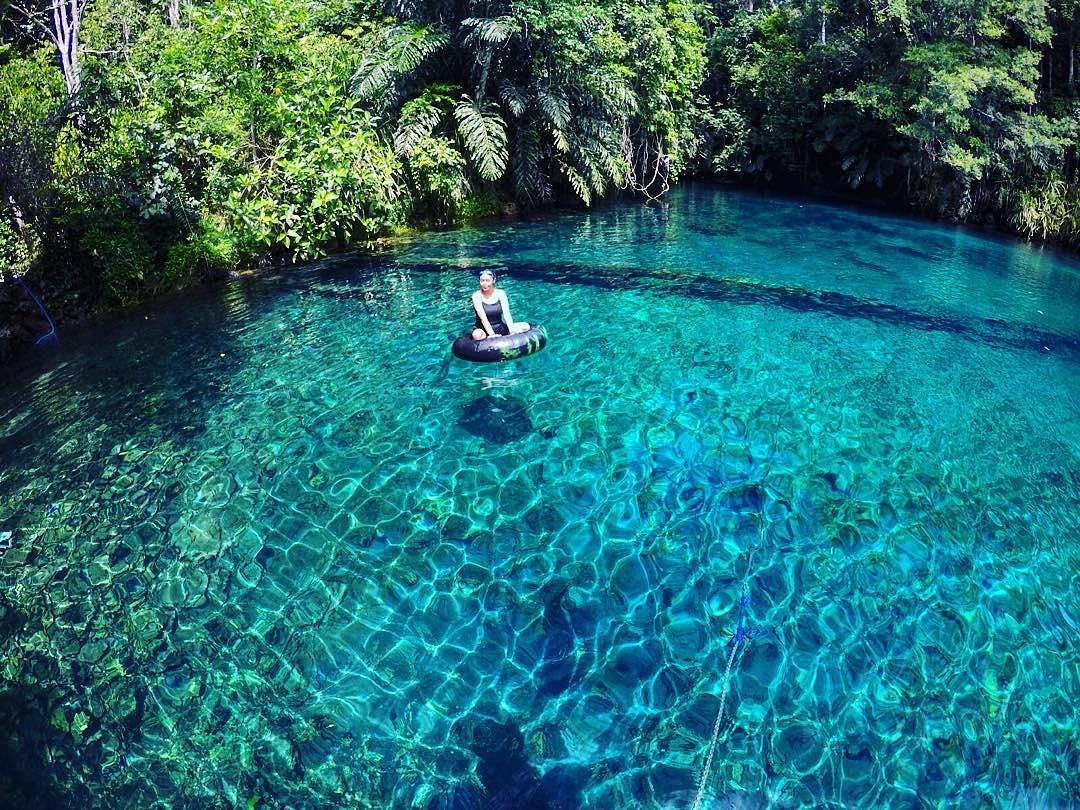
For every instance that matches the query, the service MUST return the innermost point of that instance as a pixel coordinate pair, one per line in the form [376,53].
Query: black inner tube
[500,347]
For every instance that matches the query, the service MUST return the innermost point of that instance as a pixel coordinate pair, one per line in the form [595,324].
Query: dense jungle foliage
[145,144]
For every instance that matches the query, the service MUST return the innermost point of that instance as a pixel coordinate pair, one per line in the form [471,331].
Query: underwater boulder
[496,420]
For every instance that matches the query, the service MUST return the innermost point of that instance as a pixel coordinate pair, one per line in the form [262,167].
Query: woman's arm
[479,307]
[507,319]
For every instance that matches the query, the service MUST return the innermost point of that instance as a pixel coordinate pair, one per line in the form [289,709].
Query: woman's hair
[487,273]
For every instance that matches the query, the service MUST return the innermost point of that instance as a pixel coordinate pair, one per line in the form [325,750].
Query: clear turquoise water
[271,540]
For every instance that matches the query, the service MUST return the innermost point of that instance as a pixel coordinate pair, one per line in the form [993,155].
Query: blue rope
[742,632]
[52,326]
[741,638]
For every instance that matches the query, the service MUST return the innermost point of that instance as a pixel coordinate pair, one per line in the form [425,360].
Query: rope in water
[737,641]
[52,326]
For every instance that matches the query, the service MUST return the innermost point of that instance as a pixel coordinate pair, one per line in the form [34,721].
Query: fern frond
[554,108]
[615,166]
[577,182]
[415,45]
[614,94]
[513,98]
[562,143]
[527,164]
[418,119]
[590,167]
[489,30]
[403,49]
[373,76]
[483,133]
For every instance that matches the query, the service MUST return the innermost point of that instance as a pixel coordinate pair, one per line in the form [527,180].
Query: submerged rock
[496,420]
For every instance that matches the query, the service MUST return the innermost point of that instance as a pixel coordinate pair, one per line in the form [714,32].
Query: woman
[493,311]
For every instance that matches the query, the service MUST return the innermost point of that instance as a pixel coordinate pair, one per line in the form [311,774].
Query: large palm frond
[577,182]
[489,30]
[554,109]
[403,49]
[510,95]
[528,178]
[483,132]
[421,116]
[614,93]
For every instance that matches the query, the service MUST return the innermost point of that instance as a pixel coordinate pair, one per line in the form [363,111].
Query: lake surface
[271,540]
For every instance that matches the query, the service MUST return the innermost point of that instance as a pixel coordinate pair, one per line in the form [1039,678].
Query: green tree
[951,104]
[588,97]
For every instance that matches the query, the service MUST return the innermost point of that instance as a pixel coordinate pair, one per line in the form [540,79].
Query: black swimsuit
[494,314]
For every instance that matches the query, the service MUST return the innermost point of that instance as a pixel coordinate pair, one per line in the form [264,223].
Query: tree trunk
[172,9]
[1072,59]
[66,21]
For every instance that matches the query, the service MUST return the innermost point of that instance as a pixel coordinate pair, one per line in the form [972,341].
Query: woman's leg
[521,326]
[478,334]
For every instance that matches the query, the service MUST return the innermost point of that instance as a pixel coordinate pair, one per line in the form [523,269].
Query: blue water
[270,540]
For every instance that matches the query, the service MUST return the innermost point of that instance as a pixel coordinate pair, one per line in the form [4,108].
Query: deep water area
[270,542]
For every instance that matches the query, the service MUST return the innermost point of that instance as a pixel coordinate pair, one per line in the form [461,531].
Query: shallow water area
[275,541]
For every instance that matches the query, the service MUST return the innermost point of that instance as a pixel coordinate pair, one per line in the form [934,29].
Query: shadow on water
[989,331]
[509,779]
[25,775]
[161,375]
[16,440]
[29,741]
[721,228]
[499,420]
[54,744]
[63,415]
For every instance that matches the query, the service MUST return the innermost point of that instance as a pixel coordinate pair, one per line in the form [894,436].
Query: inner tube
[500,347]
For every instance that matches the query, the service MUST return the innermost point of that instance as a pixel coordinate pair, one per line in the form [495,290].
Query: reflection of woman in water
[493,311]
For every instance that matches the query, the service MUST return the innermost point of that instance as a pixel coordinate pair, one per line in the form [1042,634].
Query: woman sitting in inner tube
[493,310]
[496,335]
